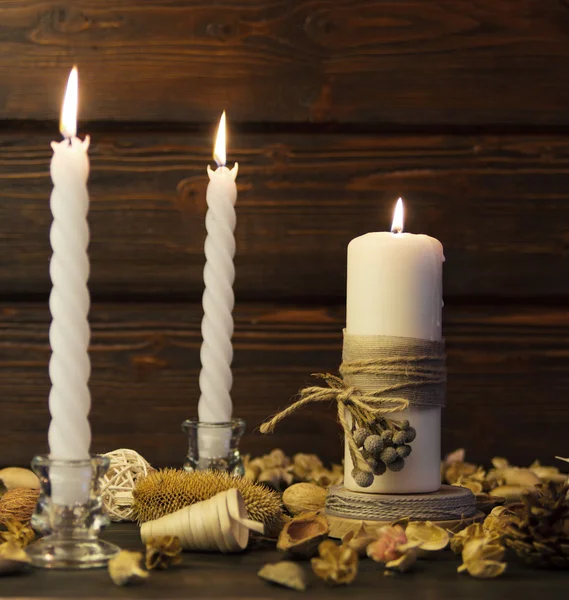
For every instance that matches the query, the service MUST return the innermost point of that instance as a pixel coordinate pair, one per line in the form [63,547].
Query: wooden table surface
[235,576]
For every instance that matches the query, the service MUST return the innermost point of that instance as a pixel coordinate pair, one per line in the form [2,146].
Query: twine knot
[379,375]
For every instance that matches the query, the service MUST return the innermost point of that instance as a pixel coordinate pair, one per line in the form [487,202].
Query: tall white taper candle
[219,273]
[395,289]
[69,333]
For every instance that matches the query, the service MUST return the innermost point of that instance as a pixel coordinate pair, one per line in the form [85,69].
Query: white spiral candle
[69,333]
[219,272]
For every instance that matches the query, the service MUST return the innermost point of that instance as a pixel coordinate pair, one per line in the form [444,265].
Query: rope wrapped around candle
[379,375]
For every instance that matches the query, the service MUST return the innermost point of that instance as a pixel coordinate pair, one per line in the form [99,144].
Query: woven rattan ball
[119,482]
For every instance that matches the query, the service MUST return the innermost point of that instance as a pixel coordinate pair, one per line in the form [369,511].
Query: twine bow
[363,408]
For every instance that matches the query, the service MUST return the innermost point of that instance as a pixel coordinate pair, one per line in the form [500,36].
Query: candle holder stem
[214,446]
[70,514]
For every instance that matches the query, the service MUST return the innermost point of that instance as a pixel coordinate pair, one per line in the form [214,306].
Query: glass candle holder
[214,446]
[70,514]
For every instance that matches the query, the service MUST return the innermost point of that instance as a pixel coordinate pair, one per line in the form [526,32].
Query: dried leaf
[337,565]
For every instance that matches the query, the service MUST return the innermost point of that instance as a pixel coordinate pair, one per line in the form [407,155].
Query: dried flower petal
[427,535]
[386,547]
[483,569]
[404,562]
[124,568]
[459,539]
[14,552]
[482,548]
[337,565]
[360,539]
[19,533]
[163,552]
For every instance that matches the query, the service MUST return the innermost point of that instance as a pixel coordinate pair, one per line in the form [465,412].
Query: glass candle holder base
[214,446]
[53,553]
[70,514]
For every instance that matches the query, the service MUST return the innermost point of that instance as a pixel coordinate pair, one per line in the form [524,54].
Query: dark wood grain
[507,389]
[499,205]
[235,576]
[381,61]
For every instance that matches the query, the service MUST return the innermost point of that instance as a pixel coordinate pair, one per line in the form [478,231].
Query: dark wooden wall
[336,108]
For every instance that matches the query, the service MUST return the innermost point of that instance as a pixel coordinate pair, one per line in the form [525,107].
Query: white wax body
[394,288]
[216,353]
[69,334]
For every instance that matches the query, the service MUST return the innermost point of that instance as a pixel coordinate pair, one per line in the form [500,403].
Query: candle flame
[219,150]
[397,225]
[68,122]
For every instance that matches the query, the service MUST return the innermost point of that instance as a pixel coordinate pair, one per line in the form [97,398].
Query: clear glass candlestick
[214,446]
[70,514]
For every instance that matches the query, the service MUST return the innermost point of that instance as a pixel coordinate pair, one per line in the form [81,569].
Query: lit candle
[394,288]
[69,366]
[219,273]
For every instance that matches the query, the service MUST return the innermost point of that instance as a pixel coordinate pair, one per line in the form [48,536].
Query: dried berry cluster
[385,445]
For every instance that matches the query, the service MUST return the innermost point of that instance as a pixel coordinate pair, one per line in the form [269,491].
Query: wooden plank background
[336,108]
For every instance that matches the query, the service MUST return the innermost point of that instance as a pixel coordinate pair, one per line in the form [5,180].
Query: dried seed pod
[396,465]
[163,552]
[124,568]
[411,434]
[304,497]
[388,455]
[362,478]
[373,445]
[301,536]
[360,436]
[400,437]
[336,564]
[403,451]
[285,573]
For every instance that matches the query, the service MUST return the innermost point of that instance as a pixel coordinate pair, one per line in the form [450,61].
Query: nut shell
[16,477]
[304,497]
[301,536]
[285,573]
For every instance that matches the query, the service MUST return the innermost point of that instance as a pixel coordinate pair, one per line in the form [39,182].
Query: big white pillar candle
[69,334]
[394,288]
[216,353]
